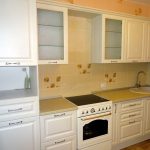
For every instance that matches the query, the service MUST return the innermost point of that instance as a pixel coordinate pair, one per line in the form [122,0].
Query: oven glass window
[95,128]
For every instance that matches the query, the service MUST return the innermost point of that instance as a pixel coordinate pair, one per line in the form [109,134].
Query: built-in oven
[94,122]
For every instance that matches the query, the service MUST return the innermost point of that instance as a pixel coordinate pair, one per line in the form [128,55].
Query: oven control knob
[87,112]
[92,110]
[82,112]
[109,107]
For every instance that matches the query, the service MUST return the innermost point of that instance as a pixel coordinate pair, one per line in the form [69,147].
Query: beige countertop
[119,95]
[56,105]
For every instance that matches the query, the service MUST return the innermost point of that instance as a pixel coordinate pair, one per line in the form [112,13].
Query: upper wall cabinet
[108,39]
[135,40]
[18,44]
[147,41]
[52,34]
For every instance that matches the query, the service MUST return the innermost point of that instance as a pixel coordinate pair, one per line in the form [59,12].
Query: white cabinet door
[58,125]
[147,41]
[20,134]
[18,32]
[18,108]
[67,143]
[52,34]
[135,41]
[147,117]
[131,129]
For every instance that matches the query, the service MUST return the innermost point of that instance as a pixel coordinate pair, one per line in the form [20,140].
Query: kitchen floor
[140,146]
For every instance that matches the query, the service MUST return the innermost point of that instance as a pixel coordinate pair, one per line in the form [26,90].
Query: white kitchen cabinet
[21,134]
[18,33]
[131,120]
[131,129]
[147,117]
[66,143]
[52,34]
[108,39]
[115,124]
[135,40]
[147,42]
[19,108]
[58,130]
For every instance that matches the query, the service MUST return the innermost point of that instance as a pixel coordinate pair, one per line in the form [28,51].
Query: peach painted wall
[125,6]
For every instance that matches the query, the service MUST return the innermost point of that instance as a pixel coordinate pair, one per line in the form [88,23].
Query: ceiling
[141,1]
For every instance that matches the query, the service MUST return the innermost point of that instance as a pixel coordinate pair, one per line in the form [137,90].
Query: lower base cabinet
[147,117]
[130,129]
[58,131]
[60,144]
[131,122]
[21,134]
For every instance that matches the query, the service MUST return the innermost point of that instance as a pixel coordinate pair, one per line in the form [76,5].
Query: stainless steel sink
[142,90]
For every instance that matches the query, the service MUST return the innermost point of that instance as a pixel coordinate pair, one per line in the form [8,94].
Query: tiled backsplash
[67,80]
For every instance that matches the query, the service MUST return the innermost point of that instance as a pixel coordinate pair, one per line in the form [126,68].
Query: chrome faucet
[138,83]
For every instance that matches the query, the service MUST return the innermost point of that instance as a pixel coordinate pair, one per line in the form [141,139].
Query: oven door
[94,129]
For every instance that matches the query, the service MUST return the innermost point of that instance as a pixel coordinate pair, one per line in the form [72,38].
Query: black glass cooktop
[86,99]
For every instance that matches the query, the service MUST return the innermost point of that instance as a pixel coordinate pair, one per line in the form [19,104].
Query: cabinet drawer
[60,144]
[131,115]
[130,129]
[57,125]
[18,108]
[131,105]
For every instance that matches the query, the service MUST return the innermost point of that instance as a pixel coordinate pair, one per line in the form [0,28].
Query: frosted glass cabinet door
[52,34]
[18,44]
[113,39]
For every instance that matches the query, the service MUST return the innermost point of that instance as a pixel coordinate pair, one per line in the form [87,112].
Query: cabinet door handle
[52,62]
[135,61]
[59,115]
[131,122]
[12,63]
[14,110]
[62,141]
[131,105]
[132,115]
[15,123]
[114,61]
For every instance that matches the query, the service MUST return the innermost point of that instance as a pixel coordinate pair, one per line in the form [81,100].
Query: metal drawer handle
[132,105]
[60,141]
[53,62]
[59,115]
[14,63]
[132,115]
[131,122]
[15,123]
[114,61]
[13,110]
[84,119]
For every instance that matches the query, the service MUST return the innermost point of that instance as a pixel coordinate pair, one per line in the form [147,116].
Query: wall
[80,76]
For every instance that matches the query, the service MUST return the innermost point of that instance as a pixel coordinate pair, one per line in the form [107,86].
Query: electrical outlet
[103,85]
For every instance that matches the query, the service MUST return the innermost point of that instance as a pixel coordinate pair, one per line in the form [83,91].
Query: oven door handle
[95,117]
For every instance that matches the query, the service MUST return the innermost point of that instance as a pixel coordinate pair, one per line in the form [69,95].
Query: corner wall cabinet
[52,34]
[108,39]
[18,33]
